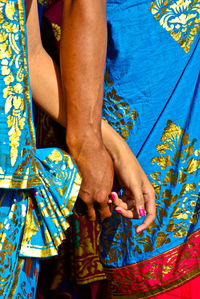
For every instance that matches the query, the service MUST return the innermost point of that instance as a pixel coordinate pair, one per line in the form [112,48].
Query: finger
[131,214]
[151,212]
[101,205]
[139,199]
[90,211]
[103,211]
[118,202]
[124,207]
[91,214]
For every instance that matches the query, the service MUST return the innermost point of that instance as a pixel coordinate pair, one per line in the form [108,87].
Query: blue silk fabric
[152,99]
[38,188]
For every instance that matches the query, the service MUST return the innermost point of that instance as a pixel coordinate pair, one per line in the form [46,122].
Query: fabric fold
[50,204]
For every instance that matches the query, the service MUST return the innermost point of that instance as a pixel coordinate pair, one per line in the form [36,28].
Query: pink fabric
[189,290]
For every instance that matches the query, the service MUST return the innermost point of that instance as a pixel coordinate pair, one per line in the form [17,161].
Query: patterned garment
[85,266]
[38,188]
[83,235]
[152,99]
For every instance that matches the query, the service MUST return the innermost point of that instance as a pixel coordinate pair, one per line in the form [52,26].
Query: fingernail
[110,201]
[139,231]
[118,211]
[142,212]
[112,195]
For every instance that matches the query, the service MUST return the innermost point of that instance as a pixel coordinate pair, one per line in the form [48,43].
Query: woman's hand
[138,194]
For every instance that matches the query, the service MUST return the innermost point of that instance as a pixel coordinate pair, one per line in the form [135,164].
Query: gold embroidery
[11,227]
[116,111]
[181,18]
[186,203]
[55,156]
[178,200]
[56,31]
[10,57]
[66,185]
[15,90]
[86,266]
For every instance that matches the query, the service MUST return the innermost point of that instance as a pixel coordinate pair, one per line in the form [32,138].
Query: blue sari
[38,188]
[152,99]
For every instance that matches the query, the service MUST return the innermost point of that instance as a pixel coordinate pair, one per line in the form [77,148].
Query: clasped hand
[96,167]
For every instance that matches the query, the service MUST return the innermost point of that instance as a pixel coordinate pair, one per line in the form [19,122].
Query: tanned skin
[46,89]
[82,60]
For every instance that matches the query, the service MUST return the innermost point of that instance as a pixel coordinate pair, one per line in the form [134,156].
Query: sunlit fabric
[152,99]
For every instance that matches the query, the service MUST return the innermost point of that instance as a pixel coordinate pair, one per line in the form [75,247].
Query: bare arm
[45,86]
[44,74]
[83,51]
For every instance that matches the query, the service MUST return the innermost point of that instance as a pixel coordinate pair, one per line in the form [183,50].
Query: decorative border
[158,274]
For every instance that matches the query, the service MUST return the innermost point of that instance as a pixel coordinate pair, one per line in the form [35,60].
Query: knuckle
[139,201]
[101,197]
[86,198]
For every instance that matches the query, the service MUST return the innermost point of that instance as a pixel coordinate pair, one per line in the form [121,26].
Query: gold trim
[89,280]
[160,290]
[26,81]
[9,182]
[164,288]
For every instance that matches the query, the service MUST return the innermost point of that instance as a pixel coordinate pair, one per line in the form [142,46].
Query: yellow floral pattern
[10,59]
[181,18]
[11,226]
[16,121]
[116,111]
[178,200]
[177,149]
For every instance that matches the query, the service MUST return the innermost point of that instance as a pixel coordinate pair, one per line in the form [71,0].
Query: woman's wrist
[113,142]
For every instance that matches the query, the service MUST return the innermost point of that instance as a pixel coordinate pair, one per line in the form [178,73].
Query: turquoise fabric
[18,276]
[152,99]
[38,188]
[17,136]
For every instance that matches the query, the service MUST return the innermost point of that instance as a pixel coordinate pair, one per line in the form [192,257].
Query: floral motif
[176,149]
[13,73]
[11,227]
[181,18]
[116,111]
[178,200]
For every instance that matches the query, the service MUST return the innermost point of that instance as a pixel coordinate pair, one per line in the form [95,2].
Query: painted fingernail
[142,212]
[118,211]
[139,231]
[112,195]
